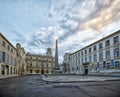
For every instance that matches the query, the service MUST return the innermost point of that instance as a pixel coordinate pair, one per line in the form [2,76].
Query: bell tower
[49,52]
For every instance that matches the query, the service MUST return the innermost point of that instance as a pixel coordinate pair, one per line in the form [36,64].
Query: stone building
[40,64]
[20,60]
[103,54]
[66,64]
[7,57]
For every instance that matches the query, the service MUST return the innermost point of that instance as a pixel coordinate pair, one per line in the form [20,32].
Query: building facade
[7,57]
[103,54]
[66,64]
[40,64]
[20,60]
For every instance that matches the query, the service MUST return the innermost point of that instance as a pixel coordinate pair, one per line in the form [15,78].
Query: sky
[36,24]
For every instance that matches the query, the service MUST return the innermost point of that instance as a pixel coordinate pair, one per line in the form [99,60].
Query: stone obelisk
[56,68]
[56,55]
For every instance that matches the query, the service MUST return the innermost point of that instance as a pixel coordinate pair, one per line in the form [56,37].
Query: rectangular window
[89,50]
[0,41]
[107,54]
[116,39]
[36,64]
[101,56]
[42,66]
[8,47]
[0,56]
[108,65]
[47,65]
[116,52]
[30,64]
[11,50]
[94,48]
[107,43]
[78,54]
[90,58]
[77,67]
[82,53]
[85,51]
[8,59]
[3,57]
[85,59]
[76,62]
[79,61]
[100,46]
[3,43]
[14,61]
[95,58]
[82,60]
[11,59]
[117,65]
[36,58]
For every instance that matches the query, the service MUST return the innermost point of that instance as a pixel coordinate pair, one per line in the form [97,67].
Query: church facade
[40,64]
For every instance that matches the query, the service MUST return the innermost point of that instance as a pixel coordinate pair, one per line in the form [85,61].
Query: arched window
[30,64]
[42,65]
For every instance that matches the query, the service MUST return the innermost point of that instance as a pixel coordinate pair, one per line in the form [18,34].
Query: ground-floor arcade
[6,69]
[39,71]
[88,68]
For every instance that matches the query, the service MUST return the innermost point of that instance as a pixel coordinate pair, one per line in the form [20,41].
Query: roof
[36,55]
[7,40]
[117,32]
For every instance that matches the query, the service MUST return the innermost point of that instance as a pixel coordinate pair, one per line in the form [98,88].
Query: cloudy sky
[36,24]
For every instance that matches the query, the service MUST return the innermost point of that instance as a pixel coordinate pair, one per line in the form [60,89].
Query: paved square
[33,86]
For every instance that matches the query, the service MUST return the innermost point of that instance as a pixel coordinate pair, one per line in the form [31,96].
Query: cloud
[17,33]
[108,14]
[79,22]
[75,23]
[86,15]
[41,39]
[19,37]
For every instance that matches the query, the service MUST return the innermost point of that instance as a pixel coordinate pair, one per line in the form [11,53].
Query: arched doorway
[42,71]
[30,70]
[37,71]
[85,68]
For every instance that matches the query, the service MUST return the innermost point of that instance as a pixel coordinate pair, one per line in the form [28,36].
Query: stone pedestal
[56,71]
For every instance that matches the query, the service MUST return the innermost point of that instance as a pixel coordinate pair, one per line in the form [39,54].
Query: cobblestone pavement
[33,86]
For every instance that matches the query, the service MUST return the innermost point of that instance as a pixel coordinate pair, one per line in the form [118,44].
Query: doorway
[86,70]
[3,70]
[37,71]
[42,71]
[11,70]
[30,70]
[7,68]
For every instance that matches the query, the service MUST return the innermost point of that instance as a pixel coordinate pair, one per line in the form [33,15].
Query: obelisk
[56,68]
[56,55]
